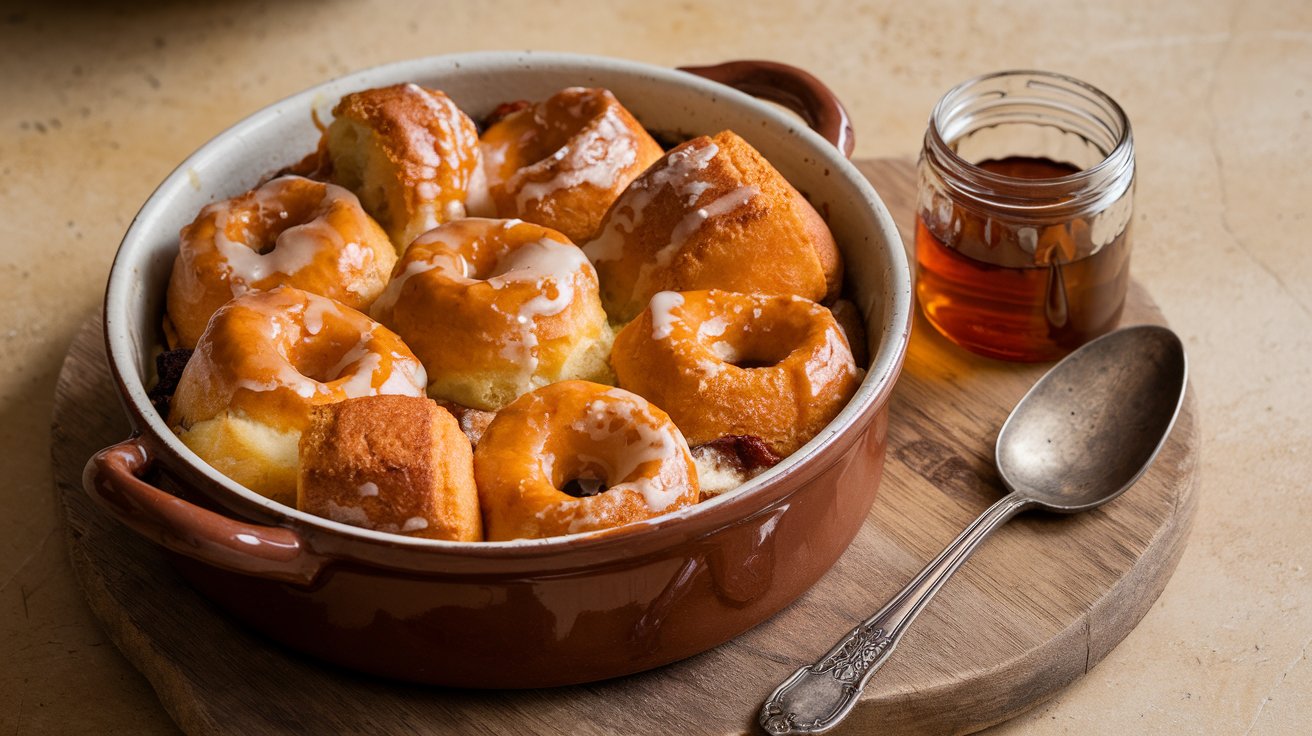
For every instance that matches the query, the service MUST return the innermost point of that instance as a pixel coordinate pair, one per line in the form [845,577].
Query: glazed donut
[562,162]
[721,363]
[290,231]
[496,308]
[396,464]
[410,154]
[265,359]
[712,214]
[625,452]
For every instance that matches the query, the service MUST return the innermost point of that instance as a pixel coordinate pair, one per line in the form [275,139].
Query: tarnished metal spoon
[1081,436]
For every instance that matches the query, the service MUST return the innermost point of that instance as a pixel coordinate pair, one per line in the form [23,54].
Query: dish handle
[791,87]
[113,479]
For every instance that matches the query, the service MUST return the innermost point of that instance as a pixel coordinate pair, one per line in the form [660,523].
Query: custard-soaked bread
[730,461]
[712,214]
[290,231]
[496,308]
[390,463]
[562,162]
[410,154]
[776,367]
[265,360]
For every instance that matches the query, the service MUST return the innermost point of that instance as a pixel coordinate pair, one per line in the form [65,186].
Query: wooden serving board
[1041,603]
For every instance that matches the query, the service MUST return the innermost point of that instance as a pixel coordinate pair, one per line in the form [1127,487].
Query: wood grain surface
[1041,603]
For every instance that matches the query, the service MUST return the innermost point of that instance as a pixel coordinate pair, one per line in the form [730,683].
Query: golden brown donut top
[723,363]
[271,355]
[563,161]
[483,294]
[431,151]
[289,231]
[580,430]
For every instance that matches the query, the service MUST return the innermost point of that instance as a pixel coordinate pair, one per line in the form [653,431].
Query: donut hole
[260,225]
[324,359]
[583,487]
[758,345]
[486,257]
[581,476]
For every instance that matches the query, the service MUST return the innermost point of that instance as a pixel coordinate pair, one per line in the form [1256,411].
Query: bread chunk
[396,464]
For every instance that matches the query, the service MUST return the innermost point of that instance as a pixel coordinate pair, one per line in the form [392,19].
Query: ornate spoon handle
[817,697]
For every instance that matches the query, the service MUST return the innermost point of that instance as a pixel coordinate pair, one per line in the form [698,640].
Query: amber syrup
[1015,295]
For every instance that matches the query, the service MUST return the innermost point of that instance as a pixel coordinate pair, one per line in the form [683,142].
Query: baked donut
[722,363]
[496,308]
[712,214]
[290,231]
[410,154]
[622,458]
[391,463]
[562,162]
[265,359]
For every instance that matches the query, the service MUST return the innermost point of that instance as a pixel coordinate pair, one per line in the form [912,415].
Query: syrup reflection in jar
[1026,187]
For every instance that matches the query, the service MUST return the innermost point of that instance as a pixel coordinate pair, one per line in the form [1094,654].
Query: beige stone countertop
[99,101]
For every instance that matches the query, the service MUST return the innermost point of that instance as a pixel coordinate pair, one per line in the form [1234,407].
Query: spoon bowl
[1092,425]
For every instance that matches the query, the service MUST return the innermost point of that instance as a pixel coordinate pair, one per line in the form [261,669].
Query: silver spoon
[1081,436]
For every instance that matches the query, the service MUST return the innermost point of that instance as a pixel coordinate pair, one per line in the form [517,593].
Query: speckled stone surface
[99,103]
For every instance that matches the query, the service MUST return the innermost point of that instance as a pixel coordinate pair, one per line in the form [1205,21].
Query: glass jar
[1025,192]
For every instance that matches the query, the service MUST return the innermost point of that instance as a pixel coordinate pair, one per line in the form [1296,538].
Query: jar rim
[1117,160]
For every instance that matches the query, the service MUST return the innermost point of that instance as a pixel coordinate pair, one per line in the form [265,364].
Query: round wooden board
[1041,603]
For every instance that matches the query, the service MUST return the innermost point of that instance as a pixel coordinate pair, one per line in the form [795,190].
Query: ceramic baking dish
[533,612]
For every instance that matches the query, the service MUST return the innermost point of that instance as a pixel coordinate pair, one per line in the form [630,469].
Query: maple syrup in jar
[1026,187]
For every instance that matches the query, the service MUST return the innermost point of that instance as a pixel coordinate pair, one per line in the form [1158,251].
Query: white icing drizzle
[285,375]
[302,386]
[708,369]
[295,247]
[724,351]
[353,515]
[315,310]
[552,268]
[628,436]
[713,327]
[693,221]
[677,171]
[407,378]
[829,363]
[368,488]
[445,260]
[663,318]
[354,373]
[451,148]
[657,441]
[363,365]
[600,151]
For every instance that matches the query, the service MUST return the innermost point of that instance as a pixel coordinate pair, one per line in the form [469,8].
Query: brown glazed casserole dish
[528,613]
